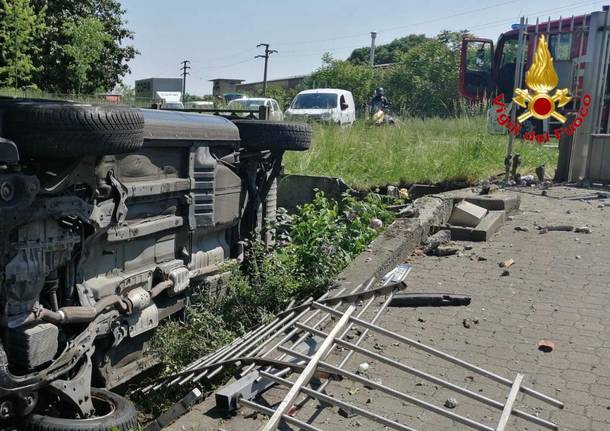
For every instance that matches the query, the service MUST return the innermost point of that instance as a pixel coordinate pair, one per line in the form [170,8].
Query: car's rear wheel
[274,135]
[112,412]
[64,130]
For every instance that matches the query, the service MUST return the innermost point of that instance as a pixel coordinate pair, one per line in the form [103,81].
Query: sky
[219,38]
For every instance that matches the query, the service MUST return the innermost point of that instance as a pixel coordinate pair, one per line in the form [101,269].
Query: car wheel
[113,412]
[274,136]
[63,130]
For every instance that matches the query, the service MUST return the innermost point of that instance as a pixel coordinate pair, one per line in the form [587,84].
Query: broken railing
[299,341]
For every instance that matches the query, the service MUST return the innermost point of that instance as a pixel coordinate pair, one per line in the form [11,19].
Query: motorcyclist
[379,101]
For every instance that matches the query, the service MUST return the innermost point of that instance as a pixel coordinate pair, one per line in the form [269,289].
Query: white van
[323,104]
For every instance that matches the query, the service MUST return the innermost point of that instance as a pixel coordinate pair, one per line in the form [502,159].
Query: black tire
[274,135]
[122,417]
[64,130]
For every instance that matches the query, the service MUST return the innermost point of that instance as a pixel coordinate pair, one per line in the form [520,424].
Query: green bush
[309,249]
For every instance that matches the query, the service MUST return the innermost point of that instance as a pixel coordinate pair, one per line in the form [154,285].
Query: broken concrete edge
[404,235]
[396,243]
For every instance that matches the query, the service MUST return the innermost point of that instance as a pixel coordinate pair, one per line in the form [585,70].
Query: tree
[21,27]
[359,79]
[86,43]
[112,65]
[425,82]
[388,53]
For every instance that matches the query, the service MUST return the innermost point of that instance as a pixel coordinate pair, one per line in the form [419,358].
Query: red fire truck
[580,47]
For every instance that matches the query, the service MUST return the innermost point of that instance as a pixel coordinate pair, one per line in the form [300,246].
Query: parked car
[200,104]
[232,96]
[108,213]
[324,104]
[275,113]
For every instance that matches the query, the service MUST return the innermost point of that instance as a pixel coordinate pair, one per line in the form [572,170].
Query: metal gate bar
[341,404]
[418,373]
[302,337]
[309,370]
[503,380]
[508,407]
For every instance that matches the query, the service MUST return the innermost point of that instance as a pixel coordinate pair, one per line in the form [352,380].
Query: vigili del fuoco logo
[541,103]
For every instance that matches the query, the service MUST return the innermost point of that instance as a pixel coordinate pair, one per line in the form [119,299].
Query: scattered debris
[507,263]
[583,229]
[376,223]
[404,299]
[433,241]
[363,367]
[451,403]
[546,346]
[543,193]
[527,180]
[392,191]
[467,323]
[481,259]
[346,413]
[403,193]
[603,195]
[409,211]
[468,247]
[448,249]
[488,188]
[510,218]
[505,273]
[558,228]
[578,257]
[522,228]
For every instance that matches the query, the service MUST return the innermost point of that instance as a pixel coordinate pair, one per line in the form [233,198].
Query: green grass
[419,151]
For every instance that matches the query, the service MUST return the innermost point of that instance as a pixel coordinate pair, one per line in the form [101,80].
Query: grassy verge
[422,151]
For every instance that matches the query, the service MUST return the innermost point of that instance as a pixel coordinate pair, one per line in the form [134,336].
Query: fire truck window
[509,52]
[478,56]
[560,46]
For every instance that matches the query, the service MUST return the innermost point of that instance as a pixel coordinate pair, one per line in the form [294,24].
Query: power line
[266,55]
[402,27]
[185,71]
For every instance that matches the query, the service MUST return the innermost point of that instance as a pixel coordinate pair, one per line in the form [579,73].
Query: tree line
[63,46]
[419,75]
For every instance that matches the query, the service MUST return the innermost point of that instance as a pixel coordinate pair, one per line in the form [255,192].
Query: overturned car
[108,214]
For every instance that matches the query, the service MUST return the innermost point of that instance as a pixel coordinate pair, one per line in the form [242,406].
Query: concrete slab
[489,225]
[496,201]
[467,214]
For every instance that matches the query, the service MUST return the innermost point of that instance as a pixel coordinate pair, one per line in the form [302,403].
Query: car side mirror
[344,106]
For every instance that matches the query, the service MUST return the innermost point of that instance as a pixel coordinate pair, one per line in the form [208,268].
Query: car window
[275,105]
[315,101]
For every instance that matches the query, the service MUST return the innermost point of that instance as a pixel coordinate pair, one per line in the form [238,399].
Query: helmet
[379,91]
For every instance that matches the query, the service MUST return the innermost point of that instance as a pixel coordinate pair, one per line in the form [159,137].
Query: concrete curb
[397,242]
[402,237]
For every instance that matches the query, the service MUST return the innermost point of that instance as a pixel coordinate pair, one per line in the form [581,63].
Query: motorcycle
[381,116]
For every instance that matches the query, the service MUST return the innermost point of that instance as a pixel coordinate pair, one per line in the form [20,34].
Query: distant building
[221,86]
[112,97]
[147,88]
[286,83]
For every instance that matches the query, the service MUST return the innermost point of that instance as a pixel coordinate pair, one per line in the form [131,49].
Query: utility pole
[372,52]
[268,52]
[185,71]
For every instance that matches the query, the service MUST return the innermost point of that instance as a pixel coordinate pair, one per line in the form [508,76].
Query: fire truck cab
[580,47]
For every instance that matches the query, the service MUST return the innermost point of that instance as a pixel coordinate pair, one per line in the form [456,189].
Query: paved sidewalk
[556,290]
